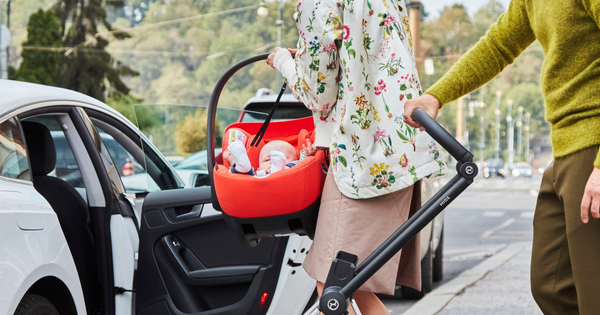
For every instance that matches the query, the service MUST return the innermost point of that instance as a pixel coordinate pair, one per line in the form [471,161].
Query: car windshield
[495,163]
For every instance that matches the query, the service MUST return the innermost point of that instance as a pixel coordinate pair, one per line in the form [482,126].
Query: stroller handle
[439,134]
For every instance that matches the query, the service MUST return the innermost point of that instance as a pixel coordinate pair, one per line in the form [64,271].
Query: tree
[87,67]
[190,134]
[39,65]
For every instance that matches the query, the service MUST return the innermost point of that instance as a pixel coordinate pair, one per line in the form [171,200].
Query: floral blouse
[355,69]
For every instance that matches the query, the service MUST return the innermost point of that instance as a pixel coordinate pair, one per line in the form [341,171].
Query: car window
[179,132]
[66,167]
[13,156]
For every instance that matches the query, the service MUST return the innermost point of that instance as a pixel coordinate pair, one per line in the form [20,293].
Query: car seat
[69,206]
[282,203]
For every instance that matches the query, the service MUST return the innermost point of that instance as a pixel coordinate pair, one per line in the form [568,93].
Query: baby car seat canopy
[282,203]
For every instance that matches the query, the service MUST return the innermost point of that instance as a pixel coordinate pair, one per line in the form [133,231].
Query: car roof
[15,94]
[286,100]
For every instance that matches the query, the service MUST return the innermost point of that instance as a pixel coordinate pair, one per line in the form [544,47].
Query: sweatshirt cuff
[597,161]
[323,132]
[284,63]
[440,93]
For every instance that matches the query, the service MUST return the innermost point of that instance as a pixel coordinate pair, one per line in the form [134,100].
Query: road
[487,217]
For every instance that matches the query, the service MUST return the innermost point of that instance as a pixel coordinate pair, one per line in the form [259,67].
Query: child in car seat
[275,156]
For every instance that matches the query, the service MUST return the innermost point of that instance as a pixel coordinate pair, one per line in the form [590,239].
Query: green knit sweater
[570,36]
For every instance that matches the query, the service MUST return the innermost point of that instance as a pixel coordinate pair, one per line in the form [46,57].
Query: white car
[89,243]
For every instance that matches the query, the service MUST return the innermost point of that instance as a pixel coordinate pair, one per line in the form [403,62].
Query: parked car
[109,248]
[494,167]
[522,170]
[432,237]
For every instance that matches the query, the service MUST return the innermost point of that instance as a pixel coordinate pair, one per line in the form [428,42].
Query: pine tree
[87,67]
[40,62]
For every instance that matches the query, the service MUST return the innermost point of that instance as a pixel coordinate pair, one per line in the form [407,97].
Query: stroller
[286,211]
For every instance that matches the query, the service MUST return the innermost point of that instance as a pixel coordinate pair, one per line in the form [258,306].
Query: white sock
[277,161]
[239,154]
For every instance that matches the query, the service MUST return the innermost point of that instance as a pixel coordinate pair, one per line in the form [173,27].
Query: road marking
[494,214]
[498,227]
[527,214]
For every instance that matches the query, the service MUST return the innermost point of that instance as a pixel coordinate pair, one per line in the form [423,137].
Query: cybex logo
[445,201]
[333,304]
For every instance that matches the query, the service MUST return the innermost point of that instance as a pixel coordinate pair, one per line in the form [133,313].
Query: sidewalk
[499,286]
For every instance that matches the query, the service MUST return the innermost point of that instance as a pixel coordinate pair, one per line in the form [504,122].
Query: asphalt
[483,226]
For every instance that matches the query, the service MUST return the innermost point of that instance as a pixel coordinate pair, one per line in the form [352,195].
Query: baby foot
[277,161]
[239,154]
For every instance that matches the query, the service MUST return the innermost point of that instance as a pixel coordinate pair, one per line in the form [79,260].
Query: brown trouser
[565,265]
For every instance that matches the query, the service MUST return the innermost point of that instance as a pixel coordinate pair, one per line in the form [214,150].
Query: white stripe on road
[527,214]
[494,214]
[498,227]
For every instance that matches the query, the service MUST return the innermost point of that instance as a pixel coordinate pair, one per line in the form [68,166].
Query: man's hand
[272,55]
[427,102]
[591,197]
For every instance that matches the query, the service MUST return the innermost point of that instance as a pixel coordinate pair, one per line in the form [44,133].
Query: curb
[437,299]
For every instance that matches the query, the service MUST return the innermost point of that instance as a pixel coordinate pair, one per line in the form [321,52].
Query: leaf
[379,187]
[354,117]
[403,137]
[342,146]
[403,87]
[436,155]
[343,160]
[409,96]
[321,88]
[352,52]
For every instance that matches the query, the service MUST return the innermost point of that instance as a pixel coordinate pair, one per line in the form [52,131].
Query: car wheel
[438,260]
[426,278]
[33,304]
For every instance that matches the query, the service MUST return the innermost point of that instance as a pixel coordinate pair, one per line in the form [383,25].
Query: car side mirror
[200,180]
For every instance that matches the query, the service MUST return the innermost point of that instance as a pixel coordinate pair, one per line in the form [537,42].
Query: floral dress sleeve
[314,74]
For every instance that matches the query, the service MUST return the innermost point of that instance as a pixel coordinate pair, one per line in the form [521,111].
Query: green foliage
[142,116]
[40,66]
[87,67]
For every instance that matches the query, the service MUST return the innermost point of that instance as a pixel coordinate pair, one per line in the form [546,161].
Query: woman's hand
[427,102]
[591,196]
[271,57]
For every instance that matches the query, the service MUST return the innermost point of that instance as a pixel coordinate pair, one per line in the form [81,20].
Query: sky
[433,7]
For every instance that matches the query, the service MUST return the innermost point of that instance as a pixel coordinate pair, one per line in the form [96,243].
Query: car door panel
[195,264]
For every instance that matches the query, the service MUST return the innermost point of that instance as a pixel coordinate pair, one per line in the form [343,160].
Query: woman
[565,278]
[354,68]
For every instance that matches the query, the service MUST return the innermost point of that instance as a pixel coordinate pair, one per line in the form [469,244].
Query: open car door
[190,261]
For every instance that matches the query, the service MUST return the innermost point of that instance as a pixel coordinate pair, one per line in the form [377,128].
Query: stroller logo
[333,304]
[445,201]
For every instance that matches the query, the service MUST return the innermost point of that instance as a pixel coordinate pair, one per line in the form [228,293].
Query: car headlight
[515,172]
[487,170]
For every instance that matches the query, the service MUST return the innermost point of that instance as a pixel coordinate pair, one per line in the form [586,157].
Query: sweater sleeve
[315,79]
[503,43]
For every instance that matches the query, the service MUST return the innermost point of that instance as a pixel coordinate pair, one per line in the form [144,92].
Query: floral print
[355,70]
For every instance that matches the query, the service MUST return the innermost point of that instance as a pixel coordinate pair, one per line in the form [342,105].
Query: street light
[497,112]
[511,136]
[262,11]
[520,134]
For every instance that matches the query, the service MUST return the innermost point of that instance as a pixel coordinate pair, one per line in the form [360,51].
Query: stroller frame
[346,276]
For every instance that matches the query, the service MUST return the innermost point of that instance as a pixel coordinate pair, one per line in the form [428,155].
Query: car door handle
[195,273]
[176,216]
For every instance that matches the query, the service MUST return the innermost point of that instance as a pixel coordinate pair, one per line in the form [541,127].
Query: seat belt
[263,129]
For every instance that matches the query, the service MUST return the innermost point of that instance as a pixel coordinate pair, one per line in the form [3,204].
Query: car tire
[426,278]
[438,260]
[33,304]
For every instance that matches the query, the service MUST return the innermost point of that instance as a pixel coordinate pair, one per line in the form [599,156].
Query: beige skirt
[359,227]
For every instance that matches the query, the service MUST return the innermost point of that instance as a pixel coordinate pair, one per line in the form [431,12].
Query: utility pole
[527,155]
[414,12]
[520,134]
[497,112]
[511,136]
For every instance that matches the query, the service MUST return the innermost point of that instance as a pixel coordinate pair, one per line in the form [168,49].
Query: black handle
[439,134]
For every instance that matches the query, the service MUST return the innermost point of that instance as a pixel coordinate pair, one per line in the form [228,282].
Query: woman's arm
[314,73]
[504,42]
